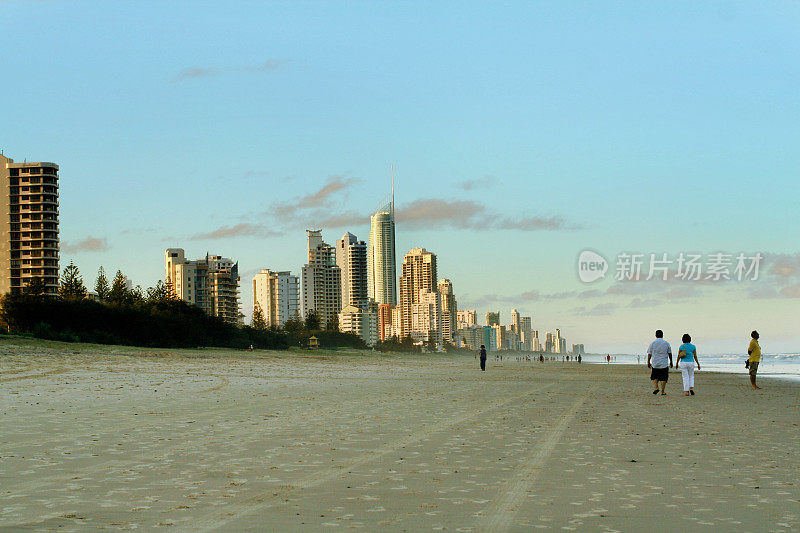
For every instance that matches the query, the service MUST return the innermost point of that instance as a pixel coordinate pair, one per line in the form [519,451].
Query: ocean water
[784,365]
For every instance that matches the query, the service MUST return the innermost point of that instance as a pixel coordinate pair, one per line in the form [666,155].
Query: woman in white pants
[687,359]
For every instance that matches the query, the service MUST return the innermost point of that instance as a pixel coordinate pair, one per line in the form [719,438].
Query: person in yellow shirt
[754,353]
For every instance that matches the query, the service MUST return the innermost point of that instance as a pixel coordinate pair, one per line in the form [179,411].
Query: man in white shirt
[659,360]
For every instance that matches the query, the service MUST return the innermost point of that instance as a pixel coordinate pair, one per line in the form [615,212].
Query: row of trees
[72,288]
[116,314]
[299,331]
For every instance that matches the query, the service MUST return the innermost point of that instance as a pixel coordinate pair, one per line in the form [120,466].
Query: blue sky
[521,134]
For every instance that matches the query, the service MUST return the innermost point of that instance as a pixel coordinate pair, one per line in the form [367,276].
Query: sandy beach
[125,438]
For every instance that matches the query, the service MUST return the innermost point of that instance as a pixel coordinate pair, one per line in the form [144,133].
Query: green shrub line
[163,323]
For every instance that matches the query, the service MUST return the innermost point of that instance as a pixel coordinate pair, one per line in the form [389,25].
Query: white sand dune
[200,440]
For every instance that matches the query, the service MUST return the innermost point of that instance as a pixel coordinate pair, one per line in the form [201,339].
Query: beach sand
[198,440]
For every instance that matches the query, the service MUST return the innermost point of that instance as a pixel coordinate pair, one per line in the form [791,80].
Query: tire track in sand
[501,513]
[256,503]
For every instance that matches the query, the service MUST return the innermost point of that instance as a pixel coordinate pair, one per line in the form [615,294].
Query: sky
[521,134]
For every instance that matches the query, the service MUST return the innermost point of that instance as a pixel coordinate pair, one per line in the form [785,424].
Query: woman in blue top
[687,357]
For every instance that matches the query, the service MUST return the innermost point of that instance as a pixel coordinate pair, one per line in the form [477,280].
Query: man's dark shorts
[661,374]
[753,367]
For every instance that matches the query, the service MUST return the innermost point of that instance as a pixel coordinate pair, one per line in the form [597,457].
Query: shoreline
[30,344]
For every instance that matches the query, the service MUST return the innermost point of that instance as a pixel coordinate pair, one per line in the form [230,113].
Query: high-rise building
[467,318]
[385,329]
[351,258]
[361,322]
[515,321]
[397,322]
[28,225]
[419,274]
[525,333]
[548,342]
[277,294]
[493,318]
[559,343]
[211,283]
[449,310]
[381,259]
[321,280]
[426,317]
[578,349]
[536,346]
[500,336]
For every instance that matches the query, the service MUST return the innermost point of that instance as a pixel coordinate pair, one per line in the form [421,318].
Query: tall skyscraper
[321,280]
[493,318]
[515,321]
[211,283]
[277,294]
[449,310]
[351,258]
[536,346]
[419,274]
[381,259]
[525,337]
[28,225]
[548,342]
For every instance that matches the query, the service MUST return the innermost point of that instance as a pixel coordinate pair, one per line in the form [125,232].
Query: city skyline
[514,152]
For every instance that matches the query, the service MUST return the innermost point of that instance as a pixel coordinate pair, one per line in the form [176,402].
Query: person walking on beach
[687,357]
[659,360]
[754,353]
[580,358]
[483,358]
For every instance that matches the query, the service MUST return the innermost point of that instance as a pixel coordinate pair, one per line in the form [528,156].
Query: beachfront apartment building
[449,310]
[474,336]
[211,283]
[29,240]
[321,280]
[559,343]
[361,322]
[419,276]
[493,318]
[351,258]
[426,318]
[381,257]
[277,293]
[385,315]
[467,318]
[535,344]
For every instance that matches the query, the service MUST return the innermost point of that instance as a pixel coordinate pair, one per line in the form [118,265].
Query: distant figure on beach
[483,358]
[687,357]
[754,353]
[608,359]
[579,358]
[541,358]
[659,360]
[638,359]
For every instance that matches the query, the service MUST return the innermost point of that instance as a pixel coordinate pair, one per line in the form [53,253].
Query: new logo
[591,266]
